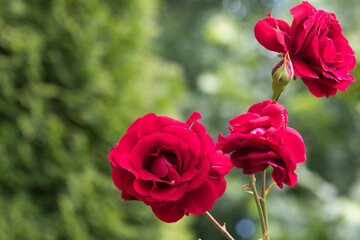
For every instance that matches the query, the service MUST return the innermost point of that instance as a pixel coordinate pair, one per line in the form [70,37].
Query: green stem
[263,184]
[269,188]
[222,229]
[258,204]
[263,199]
[263,206]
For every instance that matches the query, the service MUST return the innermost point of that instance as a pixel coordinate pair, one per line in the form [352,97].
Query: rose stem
[263,199]
[222,229]
[263,183]
[258,205]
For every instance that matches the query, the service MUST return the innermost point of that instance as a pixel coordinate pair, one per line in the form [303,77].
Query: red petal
[303,70]
[188,174]
[133,126]
[293,140]
[310,49]
[180,191]
[219,184]
[302,10]
[199,129]
[267,33]
[173,176]
[202,173]
[163,191]
[221,165]
[301,25]
[127,164]
[124,181]
[169,213]
[340,84]
[241,123]
[278,176]
[148,124]
[327,49]
[195,116]
[143,187]
[318,89]
[258,107]
[201,199]
[128,141]
[186,135]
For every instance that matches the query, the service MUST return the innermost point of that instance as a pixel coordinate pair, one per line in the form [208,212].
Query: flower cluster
[176,168]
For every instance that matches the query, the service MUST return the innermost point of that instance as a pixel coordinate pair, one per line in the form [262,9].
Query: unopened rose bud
[282,73]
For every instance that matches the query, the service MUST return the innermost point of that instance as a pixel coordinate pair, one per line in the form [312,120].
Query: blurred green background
[74,74]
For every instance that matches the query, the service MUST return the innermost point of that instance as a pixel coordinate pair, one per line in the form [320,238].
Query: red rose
[170,165]
[260,138]
[319,52]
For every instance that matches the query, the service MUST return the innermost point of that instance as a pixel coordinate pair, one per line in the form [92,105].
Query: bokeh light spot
[245,228]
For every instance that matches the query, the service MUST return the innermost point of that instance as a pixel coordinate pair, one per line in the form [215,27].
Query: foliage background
[75,73]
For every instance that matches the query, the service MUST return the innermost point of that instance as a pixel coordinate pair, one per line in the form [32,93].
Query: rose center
[161,165]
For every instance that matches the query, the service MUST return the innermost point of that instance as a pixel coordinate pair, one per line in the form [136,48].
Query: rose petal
[310,49]
[133,126]
[241,123]
[146,175]
[199,129]
[143,187]
[327,49]
[341,85]
[188,174]
[302,69]
[180,191]
[201,199]
[302,10]
[169,213]
[299,33]
[278,176]
[195,116]
[163,191]
[258,107]
[126,163]
[128,141]
[293,140]
[202,173]
[271,33]
[221,165]
[124,180]
[186,135]
[148,124]
[219,184]
[318,89]
[173,176]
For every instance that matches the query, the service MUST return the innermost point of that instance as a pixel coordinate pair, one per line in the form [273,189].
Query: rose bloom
[319,52]
[170,165]
[260,138]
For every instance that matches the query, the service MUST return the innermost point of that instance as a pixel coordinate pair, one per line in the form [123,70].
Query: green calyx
[282,73]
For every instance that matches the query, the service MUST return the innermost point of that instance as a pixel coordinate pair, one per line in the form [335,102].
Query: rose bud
[282,73]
